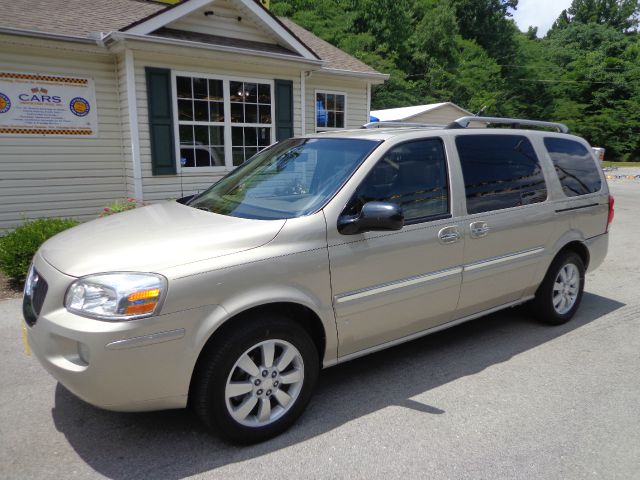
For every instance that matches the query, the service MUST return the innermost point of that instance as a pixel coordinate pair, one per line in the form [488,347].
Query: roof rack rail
[401,124]
[463,122]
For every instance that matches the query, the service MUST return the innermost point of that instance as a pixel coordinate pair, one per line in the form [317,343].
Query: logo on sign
[79,106]
[5,103]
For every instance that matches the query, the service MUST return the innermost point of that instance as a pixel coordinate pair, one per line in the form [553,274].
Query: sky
[539,13]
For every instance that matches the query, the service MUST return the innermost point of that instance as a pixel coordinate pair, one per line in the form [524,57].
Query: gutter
[49,36]
[353,73]
[116,36]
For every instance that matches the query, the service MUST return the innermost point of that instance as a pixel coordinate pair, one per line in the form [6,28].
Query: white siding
[224,23]
[62,177]
[161,187]
[355,90]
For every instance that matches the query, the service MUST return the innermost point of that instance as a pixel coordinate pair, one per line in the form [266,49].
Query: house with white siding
[110,99]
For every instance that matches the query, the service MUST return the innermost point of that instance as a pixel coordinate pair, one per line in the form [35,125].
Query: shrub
[120,206]
[18,247]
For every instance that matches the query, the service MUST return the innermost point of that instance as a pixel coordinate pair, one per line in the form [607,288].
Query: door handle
[449,235]
[479,229]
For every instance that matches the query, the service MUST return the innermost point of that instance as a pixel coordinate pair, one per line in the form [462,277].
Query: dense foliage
[584,72]
[18,247]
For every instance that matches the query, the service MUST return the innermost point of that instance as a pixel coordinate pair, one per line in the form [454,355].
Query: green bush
[120,206]
[18,247]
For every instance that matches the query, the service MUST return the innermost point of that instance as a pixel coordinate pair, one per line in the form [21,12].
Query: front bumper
[134,365]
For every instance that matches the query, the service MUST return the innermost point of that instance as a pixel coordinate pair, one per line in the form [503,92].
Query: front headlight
[116,296]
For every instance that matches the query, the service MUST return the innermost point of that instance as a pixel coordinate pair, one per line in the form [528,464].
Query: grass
[620,164]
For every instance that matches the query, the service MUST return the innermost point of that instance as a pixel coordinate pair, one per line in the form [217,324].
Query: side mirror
[375,216]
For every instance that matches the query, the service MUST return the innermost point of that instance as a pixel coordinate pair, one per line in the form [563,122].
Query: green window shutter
[284,109]
[163,155]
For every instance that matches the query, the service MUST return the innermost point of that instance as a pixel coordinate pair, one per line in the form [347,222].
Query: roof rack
[401,124]
[463,122]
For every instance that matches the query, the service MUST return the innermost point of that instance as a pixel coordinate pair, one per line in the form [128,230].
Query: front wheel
[560,293]
[254,382]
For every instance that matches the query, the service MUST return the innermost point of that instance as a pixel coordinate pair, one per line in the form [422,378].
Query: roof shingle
[77,18]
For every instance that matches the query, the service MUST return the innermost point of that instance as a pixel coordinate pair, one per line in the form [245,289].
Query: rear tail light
[611,212]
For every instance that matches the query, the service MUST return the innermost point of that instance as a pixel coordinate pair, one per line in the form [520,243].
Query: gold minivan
[316,251]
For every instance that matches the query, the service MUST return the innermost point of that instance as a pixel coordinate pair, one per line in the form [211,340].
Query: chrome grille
[35,291]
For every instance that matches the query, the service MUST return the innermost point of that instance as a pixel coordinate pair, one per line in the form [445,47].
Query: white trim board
[258,13]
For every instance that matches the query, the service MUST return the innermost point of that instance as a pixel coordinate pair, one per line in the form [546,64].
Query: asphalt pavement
[498,397]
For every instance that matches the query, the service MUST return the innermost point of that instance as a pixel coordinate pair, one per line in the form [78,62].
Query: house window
[221,122]
[330,110]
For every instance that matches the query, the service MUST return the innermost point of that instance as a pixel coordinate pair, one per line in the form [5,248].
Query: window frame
[227,124]
[447,171]
[315,109]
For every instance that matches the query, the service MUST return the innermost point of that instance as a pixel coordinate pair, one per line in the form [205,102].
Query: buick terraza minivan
[316,251]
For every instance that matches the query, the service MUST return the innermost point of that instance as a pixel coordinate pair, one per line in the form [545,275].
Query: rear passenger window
[500,171]
[575,166]
[412,175]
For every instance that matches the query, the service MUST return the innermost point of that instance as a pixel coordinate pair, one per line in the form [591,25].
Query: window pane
[216,110]
[201,135]
[412,175]
[251,92]
[201,110]
[217,156]
[216,135]
[331,119]
[264,137]
[264,114]
[500,171]
[340,103]
[238,156]
[215,90]
[186,135]
[203,158]
[251,113]
[264,93]
[237,113]
[183,85]
[237,139]
[200,88]
[331,101]
[340,119]
[321,111]
[187,157]
[236,91]
[185,110]
[250,136]
[250,152]
[575,166]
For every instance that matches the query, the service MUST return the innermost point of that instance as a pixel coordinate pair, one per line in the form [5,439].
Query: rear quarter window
[576,169]
[500,171]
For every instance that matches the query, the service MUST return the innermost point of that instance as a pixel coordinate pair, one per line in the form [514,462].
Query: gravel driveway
[499,397]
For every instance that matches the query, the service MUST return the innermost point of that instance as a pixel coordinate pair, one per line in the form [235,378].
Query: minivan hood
[152,238]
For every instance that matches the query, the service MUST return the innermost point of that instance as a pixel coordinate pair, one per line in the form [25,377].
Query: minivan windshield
[290,179]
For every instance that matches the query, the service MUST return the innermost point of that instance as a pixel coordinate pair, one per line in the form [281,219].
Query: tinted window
[500,171]
[412,175]
[290,179]
[574,164]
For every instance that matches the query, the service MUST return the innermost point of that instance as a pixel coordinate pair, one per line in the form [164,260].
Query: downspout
[130,76]
[367,120]
[303,98]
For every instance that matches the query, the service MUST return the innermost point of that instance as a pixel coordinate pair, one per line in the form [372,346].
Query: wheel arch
[298,312]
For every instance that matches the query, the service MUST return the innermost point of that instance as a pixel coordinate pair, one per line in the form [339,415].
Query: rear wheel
[560,293]
[254,382]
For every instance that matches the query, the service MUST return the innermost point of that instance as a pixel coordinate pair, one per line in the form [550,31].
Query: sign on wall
[49,105]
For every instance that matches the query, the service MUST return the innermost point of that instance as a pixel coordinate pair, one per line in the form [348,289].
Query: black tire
[543,304]
[215,365]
